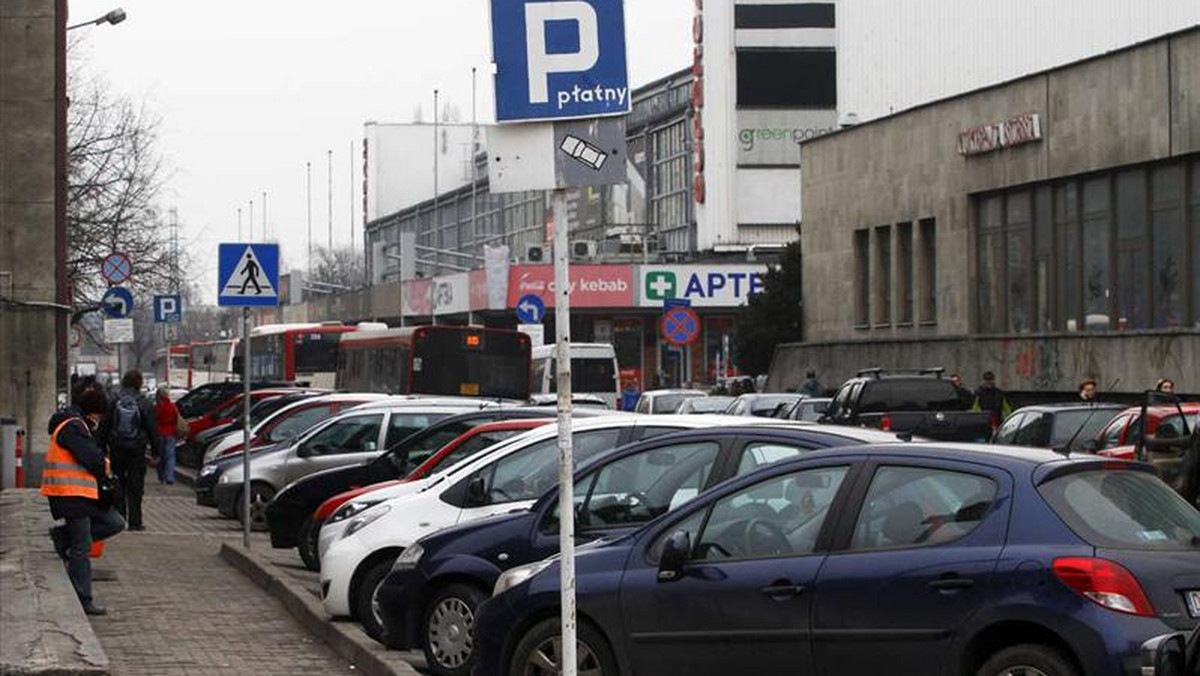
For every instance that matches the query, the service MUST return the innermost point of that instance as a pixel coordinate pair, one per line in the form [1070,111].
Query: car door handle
[952,583]
[783,588]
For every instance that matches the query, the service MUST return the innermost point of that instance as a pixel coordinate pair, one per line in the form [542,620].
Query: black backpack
[127,423]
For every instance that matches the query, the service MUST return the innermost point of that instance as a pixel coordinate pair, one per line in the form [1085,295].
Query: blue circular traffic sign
[531,309]
[680,326]
[117,302]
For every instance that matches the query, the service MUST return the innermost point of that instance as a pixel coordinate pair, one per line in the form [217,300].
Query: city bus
[172,365]
[469,361]
[303,353]
[211,362]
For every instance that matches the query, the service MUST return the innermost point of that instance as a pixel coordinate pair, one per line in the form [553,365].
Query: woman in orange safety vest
[75,466]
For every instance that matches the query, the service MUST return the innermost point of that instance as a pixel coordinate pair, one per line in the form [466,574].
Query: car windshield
[706,405]
[1079,425]
[666,403]
[1123,509]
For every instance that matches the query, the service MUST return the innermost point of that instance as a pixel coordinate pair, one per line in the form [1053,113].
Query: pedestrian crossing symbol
[248,275]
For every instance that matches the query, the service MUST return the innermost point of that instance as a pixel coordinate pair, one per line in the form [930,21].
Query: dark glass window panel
[904,268]
[786,78]
[883,244]
[862,277]
[796,15]
[991,291]
[1018,280]
[1096,274]
[1168,268]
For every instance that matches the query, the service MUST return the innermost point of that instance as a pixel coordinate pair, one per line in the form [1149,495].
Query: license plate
[1193,601]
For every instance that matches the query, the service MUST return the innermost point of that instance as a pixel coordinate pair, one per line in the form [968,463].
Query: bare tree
[115,174]
[337,268]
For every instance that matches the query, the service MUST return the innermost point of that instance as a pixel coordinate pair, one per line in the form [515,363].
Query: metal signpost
[561,61]
[248,276]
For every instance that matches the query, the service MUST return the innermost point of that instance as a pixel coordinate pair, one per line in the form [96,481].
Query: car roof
[1071,406]
[1164,410]
[408,401]
[678,390]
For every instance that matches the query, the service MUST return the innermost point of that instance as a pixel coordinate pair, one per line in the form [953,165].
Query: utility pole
[436,218]
[250,229]
[308,197]
[350,189]
[329,175]
[239,224]
[474,151]
[264,228]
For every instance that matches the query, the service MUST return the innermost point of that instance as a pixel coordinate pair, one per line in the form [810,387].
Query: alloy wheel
[449,632]
[544,659]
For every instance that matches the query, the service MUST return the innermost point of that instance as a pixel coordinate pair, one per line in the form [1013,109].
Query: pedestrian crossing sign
[248,275]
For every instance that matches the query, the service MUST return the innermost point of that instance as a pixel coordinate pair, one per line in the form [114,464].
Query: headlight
[368,518]
[351,509]
[208,470]
[516,576]
[409,558]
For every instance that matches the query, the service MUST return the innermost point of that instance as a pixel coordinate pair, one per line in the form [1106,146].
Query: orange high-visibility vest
[63,476]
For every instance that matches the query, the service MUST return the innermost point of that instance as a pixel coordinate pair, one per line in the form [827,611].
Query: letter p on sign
[542,63]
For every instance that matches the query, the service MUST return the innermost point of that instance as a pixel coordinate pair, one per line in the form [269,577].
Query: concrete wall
[1123,362]
[28,146]
[1128,107]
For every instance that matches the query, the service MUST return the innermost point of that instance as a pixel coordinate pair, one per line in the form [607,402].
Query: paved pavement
[177,609]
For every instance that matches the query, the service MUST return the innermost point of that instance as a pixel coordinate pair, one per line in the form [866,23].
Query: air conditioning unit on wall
[537,253]
[583,249]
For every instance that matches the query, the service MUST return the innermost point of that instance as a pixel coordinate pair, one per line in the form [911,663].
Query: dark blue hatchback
[429,599]
[915,559]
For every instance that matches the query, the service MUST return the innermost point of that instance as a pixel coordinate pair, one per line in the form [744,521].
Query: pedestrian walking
[990,398]
[166,414]
[629,395]
[75,471]
[1087,391]
[130,433]
[965,396]
[812,386]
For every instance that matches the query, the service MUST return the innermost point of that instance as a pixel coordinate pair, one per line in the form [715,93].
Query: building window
[883,276]
[862,278]
[1119,250]
[928,293]
[786,78]
[904,273]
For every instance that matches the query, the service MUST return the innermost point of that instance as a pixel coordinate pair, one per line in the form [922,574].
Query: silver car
[356,436]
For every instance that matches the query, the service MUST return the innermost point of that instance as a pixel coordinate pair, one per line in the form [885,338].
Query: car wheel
[307,543]
[260,495]
[539,652]
[447,629]
[1028,659]
[366,598]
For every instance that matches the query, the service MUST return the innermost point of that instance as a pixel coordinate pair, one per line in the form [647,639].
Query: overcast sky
[249,91]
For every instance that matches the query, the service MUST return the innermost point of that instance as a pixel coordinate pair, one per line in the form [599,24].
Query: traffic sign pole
[566,466]
[245,427]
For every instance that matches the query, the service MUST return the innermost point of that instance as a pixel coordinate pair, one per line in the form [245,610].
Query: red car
[228,410]
[1118,438]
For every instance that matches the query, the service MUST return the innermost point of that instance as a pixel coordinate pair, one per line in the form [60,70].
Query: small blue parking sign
[168,309]
[531,309]
[248,275]
[559,59]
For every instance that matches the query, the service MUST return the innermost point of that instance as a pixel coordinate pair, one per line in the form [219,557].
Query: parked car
[761,405]
[259,411]
[1171,444]
[979,560]
[229,410]
[592,400]
[701,405]
[289,514]
[290,421]
[429,599]
[665,401]
[351,438]
[200,400]
[922,403]
[1069,427]
[808,409]
[464,446]
[1118,438]
[358,553]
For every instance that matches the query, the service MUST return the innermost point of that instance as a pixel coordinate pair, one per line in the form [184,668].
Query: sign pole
[246,427]
[566,467]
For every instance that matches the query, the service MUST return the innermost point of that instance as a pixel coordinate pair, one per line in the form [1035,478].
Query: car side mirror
[674,556]
[476,492]
[370,446]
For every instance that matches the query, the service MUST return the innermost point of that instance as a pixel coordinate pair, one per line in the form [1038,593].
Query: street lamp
[114,17]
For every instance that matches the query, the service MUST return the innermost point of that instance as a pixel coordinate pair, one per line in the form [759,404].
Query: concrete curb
[185,476]
[345,638]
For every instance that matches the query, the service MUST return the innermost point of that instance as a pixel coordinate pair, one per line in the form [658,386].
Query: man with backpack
[130,432]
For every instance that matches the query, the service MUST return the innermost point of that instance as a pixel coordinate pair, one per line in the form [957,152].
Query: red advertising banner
[591,285]
[418,297]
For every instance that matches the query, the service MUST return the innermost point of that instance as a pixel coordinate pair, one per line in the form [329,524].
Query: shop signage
[452,294]
[1015,131]
[701,285]
[773,137]
[591,285]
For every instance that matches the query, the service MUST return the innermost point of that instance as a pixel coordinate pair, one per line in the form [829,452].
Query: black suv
[921,403]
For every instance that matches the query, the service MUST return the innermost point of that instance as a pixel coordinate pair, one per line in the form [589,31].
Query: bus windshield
[316,352]
[471,363]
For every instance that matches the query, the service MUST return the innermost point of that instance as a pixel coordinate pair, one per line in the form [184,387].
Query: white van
[593,371]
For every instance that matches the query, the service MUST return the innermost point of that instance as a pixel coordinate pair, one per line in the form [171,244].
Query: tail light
[885,424]
[1105,583]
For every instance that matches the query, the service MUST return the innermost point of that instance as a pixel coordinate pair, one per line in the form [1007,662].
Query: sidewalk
[177,609]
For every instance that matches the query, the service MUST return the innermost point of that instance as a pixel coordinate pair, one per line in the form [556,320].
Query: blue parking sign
[559,59]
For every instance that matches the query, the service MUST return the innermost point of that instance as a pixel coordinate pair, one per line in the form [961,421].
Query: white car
[357,553]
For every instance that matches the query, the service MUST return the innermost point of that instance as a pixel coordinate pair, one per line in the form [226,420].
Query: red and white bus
[306,353]
[468,361]
[171,365]
[211,362]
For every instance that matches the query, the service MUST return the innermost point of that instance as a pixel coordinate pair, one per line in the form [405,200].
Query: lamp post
[114,17]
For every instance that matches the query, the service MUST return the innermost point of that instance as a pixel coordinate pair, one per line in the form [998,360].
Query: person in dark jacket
[75,468]
[990,398]
[812,386]
[966,396]
[130,433]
